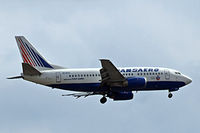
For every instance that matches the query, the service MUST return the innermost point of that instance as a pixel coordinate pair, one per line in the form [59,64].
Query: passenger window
[69,75]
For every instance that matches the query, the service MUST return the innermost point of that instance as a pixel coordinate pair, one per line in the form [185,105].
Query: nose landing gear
[103,100]
[172,90]
[170,95]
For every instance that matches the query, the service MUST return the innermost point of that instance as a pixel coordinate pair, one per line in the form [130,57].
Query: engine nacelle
[173,89]
[123,95]
[137,82]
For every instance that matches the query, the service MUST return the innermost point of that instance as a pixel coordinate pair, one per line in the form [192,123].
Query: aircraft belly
[163,85]
[87,87]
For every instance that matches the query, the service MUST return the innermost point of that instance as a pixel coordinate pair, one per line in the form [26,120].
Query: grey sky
[76,33]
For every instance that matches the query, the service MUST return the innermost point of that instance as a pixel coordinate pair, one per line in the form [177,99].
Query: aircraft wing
[16,77]
[83,94]
[110,75]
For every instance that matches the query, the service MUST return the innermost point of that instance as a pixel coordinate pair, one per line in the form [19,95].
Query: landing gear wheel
[170,95]
[103,100]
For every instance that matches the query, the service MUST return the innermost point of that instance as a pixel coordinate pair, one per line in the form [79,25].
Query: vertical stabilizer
[31,56]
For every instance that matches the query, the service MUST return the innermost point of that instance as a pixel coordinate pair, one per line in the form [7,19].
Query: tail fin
[30,55]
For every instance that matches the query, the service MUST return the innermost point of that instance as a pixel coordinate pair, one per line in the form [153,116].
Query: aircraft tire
[103,100]
[170,95]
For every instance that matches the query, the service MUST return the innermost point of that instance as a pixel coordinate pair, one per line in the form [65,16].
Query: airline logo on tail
[30,55]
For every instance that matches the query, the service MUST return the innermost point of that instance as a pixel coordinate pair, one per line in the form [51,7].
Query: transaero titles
[139,70]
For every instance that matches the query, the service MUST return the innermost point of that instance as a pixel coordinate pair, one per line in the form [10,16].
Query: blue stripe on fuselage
[88,87]
[164,84]
[95,87]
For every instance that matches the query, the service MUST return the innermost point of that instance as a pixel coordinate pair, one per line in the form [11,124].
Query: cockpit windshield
[178,73]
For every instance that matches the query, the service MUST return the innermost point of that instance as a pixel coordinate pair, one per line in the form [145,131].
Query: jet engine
[136,82]
[122,95]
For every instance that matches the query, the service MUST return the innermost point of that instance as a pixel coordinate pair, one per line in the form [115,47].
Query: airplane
[117,83]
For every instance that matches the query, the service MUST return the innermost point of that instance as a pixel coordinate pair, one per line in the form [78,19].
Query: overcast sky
[77,33]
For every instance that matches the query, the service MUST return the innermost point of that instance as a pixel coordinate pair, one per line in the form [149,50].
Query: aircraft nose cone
[188,80]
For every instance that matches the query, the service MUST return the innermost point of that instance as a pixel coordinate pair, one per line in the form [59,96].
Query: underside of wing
[83,94]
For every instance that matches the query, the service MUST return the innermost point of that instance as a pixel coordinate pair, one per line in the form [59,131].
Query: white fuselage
[88,79]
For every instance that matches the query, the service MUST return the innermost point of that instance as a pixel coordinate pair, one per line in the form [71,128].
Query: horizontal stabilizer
[29,70]
[16,77]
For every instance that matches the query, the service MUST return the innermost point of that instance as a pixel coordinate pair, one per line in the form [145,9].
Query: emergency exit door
[167,74]
[58,77]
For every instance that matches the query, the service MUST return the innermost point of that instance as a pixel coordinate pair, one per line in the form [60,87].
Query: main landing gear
[170,95]
[103,100]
